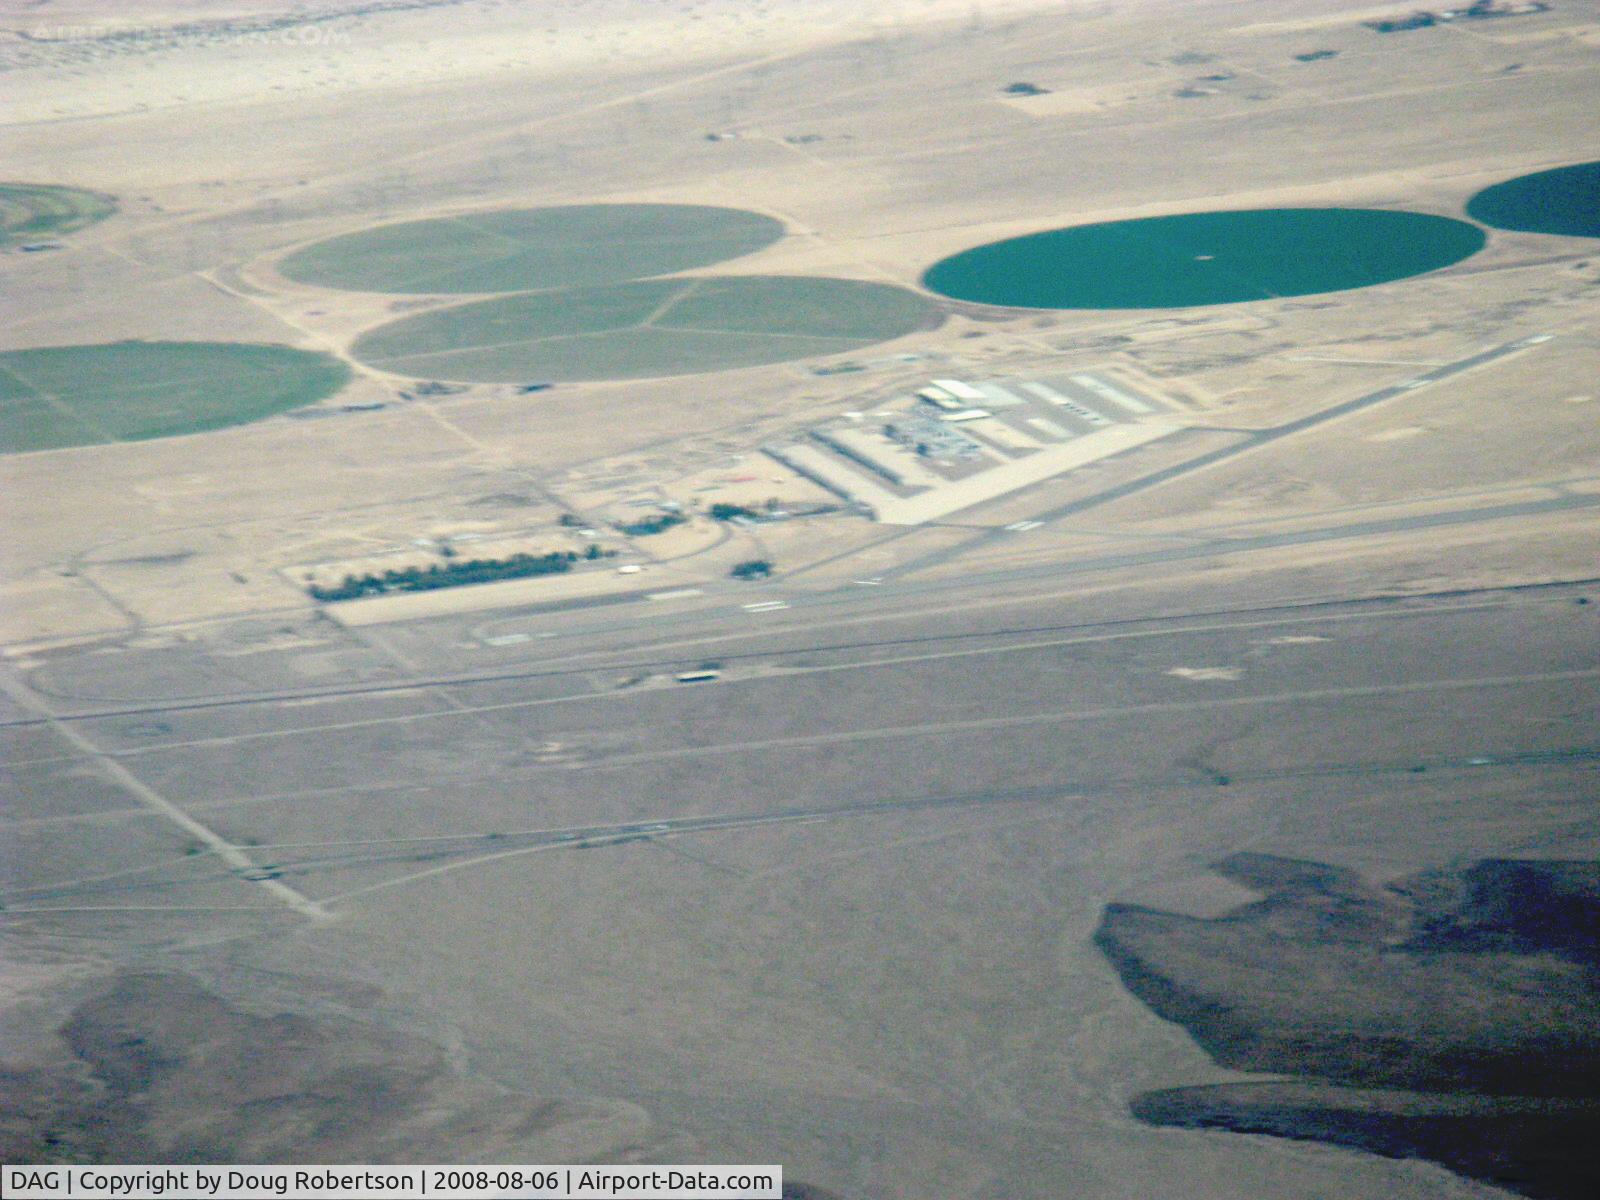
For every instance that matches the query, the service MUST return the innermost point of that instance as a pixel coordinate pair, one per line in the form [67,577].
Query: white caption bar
[636,1182]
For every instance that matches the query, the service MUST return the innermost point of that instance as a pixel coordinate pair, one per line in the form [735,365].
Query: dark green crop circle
[1564,201]
[1205,258]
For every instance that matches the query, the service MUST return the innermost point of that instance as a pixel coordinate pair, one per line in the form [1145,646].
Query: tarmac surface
[953,784]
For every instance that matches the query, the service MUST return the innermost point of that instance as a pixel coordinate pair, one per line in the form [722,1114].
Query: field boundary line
[243,865]
[772,333]
[465,221]
[403,287]
[1094,713]
[849,344]
[1090,713]
[672,300]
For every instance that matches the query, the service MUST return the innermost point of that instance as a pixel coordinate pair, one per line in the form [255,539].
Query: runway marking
[242,864]
[861,664]
[474,844]
[618,835]
[1204,674]
[1366,362]
[104,908]
[45,890]
[1060,716]
[590,837]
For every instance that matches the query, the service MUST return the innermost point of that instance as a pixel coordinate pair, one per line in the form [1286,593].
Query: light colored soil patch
[50,608]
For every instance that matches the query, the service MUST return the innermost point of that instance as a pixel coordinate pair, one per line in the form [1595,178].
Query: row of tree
[455,574]
[655,523]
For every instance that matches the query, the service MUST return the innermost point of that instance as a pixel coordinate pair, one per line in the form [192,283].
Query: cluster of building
[952,443]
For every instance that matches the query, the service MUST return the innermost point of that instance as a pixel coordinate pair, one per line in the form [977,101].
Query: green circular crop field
[1565,201]
[32,212]
[646,328]
[60,396]
[1205,258]
[532,249]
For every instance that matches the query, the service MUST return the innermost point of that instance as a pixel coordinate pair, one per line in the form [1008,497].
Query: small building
[960,390]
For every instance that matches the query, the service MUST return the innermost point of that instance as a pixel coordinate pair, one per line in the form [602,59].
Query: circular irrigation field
[61,396]
[645,328]
[1205,258]
[1565,201]
[531,249]
[31,211]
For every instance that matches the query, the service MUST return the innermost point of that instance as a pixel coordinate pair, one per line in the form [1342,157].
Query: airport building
[951,443]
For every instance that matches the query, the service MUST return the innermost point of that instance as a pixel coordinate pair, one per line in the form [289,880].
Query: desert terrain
[915,890]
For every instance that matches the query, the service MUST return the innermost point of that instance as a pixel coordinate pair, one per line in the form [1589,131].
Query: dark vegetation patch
[1564,201]
[31,211]
[169,1072]
[655,523]
[1453,1016]
[1421,19]
[454,574]
[1538,1147]
[1202,258]
[1478,10]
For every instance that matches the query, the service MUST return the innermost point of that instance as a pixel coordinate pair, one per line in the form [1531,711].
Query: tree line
[454,574]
